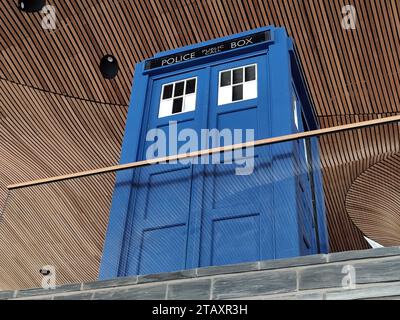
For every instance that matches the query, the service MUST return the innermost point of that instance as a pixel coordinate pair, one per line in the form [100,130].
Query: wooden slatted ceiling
[345,157]
[378,213]
[58,115]
[40,236]
[352,68]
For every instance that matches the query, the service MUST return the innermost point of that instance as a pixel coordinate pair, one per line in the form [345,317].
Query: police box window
[237,84]
[178,97]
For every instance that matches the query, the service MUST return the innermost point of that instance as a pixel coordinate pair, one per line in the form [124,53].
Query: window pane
[225,95]
[250,90]
[237,93]
[190,86]
[165,108]
[190,103]
[226,78]
[168,91]
[177,106]
[251,73]
[179,87]
[237,76]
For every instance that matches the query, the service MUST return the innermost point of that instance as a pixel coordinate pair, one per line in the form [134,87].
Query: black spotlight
[31,5]
[109,66]
[44,272]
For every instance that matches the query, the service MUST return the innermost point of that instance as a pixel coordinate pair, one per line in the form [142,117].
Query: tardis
[189,214]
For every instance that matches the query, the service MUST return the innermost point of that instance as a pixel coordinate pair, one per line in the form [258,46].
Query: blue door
[187,215]
[237,224]
[161,204]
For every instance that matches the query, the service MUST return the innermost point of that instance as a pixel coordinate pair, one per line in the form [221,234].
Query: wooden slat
[58,115]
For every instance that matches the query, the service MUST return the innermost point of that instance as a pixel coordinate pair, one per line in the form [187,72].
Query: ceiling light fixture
[109,66]
[44,272]
[31,5]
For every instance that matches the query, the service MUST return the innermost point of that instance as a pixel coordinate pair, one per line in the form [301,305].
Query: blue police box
[176,216]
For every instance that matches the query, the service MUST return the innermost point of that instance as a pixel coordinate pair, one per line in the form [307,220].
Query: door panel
[163,249]
[237,224]
[161,205]
[244,246]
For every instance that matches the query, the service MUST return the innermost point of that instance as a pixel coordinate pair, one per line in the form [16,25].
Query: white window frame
[243,83]
[168,113]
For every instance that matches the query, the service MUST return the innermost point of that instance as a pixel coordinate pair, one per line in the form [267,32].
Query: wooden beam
[258,143]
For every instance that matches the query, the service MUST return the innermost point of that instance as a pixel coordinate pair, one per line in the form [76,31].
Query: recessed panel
[168,196]
[163,250]
[236,240]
